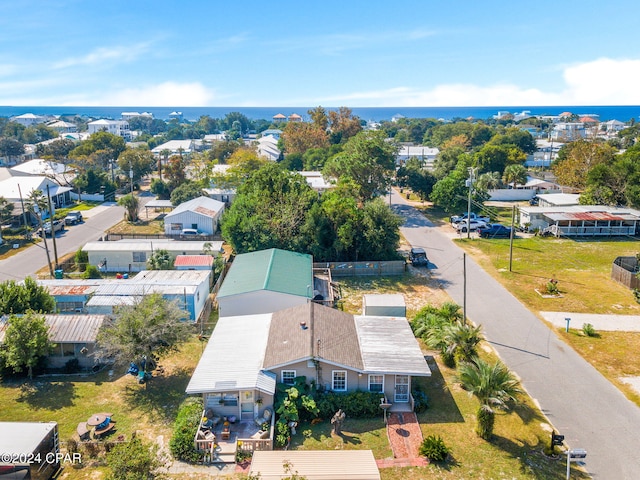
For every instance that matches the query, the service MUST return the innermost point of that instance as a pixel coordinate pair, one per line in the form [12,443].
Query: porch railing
[253,444]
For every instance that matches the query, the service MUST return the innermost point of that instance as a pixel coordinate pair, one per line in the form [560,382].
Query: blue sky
[330,53]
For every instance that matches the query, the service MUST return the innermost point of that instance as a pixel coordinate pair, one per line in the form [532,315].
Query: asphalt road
[30,260]
[580,403]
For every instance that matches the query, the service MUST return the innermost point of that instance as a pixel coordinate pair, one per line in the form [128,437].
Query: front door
[246,405]
[402,389]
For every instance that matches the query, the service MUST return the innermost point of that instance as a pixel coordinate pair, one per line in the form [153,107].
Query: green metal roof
[274,270]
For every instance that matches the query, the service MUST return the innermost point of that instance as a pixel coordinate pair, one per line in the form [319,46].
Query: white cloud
[165,94]
[105,55]
[600,82]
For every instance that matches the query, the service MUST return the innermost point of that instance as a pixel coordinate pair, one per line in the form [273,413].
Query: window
[176,226]
[194,226]
[139,256]
[288,376]
[70,306]
[376,383]
[339,378]
[68,349]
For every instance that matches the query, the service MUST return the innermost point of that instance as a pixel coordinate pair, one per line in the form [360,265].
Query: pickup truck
[473,225]
[58,226]
[73,218]
[463,218]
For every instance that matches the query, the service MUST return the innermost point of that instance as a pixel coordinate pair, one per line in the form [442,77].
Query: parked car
[463,218]
[58,226]
[418,257]
[495,231]
[472,225]
[73,218]
[190,231]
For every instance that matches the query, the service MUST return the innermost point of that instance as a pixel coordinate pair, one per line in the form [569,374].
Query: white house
[16,189]
[268,147]
[175,147]
[317,181]
[28,119]
[427,155]
[59,172]
[61,126]
[116,127]
[568,131]
[202,214]
[132,255]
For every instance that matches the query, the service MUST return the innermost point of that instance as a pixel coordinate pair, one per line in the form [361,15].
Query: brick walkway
[405,438]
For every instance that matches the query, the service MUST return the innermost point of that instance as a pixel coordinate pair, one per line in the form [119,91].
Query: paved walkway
[405,438]
[605,322]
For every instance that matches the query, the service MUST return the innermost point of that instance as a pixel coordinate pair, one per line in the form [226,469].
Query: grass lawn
[147,226]
[516,450]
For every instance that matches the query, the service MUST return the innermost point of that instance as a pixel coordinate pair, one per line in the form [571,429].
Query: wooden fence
[624,270]
[357,269]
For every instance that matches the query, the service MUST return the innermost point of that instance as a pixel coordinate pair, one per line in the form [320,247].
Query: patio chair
[266,417]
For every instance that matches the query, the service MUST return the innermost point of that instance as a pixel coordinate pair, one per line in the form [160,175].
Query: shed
[202,214]
[36,440]
[384,305]
[315,464]
[266,281]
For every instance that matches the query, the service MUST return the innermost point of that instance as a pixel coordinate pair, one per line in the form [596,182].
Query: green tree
[11,148]
[269,211]
[174,171]
[368,160]
[343,125]
[133,460]
[138,160]
[451,193]
[58,149]
[26,340]
[160,260]
[298,137]
[188,190]
[160,188]
[151,328]
[576,159]
[131,204]
[319,117]
[98,149]
[494,386]
[6,210]
[16,298]
[515,174]
[380,235]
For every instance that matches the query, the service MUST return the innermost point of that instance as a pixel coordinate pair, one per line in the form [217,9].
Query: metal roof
[151,246]
[159,204]
[389,346]
[274,269]
[70,290]
[193,261]
[591,217]
[233,357]
[141,289]
[111,301]
[74,328]
[315,464]
[384,300]
[23,437]
[171,277]
[203,205]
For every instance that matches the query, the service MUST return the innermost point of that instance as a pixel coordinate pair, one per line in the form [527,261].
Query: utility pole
[511,234]
[53,232]
[464,288]
[470,181]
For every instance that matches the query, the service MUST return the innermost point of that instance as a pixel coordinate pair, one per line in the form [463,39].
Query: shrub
[434,448]
[72,366]
[356,404]
[283,433]
[81,259]
[184,430]
[420,399]
[133,460]
[91,272]
[552,287]
[636,294]
[588,330]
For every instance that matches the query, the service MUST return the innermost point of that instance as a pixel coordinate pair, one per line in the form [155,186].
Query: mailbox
[577,453]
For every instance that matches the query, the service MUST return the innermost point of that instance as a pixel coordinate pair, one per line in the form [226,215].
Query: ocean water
[621,113]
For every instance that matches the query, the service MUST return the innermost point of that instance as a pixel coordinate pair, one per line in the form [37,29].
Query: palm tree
[160,260]
[515,174]
[462,341]
[488,181]
[494,386]
[130,203]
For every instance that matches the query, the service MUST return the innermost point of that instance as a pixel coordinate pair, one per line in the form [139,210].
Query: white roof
[151,245]
[315,464]
[202,205]
[127,289]
[582,209]
[418,151]
[315,180]
[172,277]
[389,346]
[111,301]
[384,300]
[174,146]
[23,437]
[9,187]
[216,373]
[40,166]
[560,199]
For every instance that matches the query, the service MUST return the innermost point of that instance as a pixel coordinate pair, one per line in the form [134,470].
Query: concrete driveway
[582,405]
